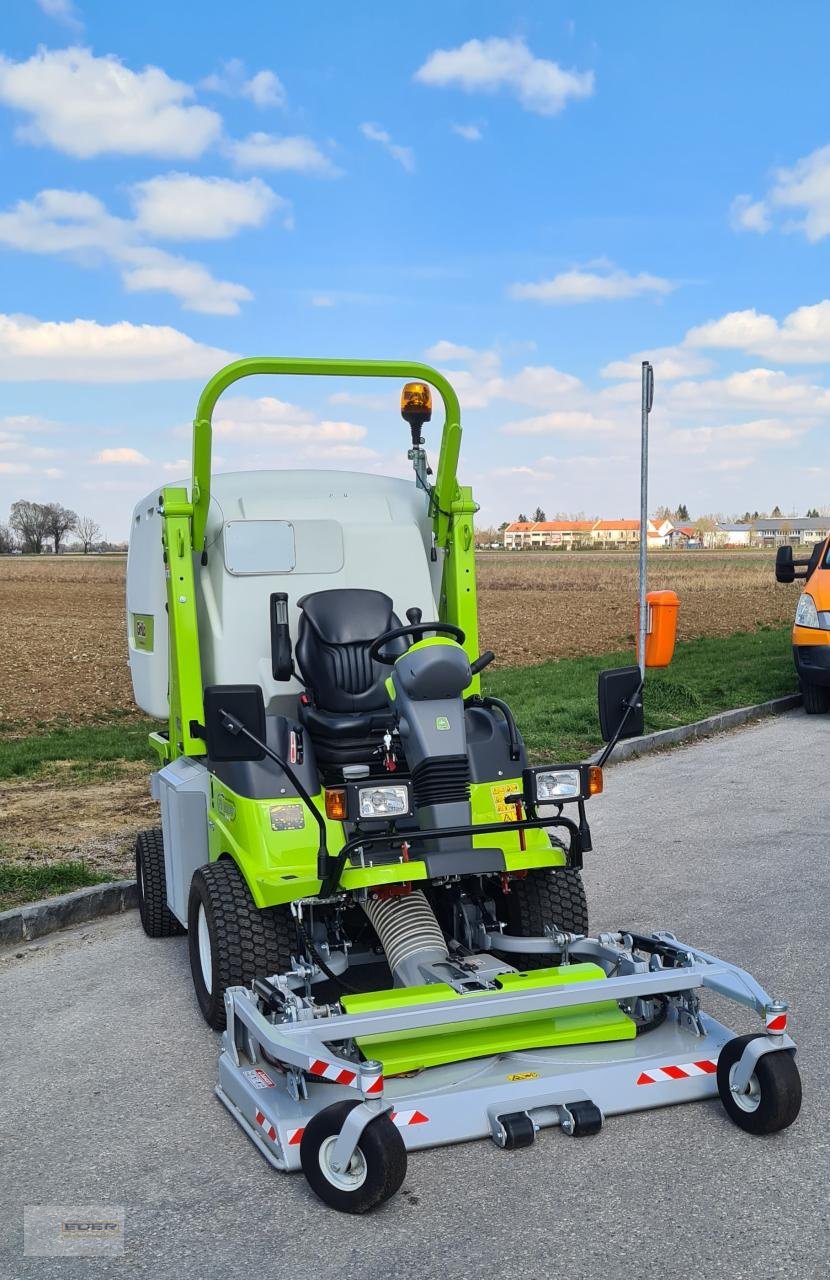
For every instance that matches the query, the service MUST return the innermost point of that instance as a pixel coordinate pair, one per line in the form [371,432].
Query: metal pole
[647,400]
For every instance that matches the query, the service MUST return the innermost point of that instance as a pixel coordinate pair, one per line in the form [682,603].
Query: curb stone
[629,748]
[35,919]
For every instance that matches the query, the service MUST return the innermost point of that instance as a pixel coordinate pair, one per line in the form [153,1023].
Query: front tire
[232,941]
[771,1100]
[375,1172]
[157,919]
[545,897]
[816,698]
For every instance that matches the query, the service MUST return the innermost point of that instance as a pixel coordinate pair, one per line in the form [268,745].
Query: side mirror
[243,702]
[617,690]
[784,564]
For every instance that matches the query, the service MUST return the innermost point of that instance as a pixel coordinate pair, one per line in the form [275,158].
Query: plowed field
[62,633]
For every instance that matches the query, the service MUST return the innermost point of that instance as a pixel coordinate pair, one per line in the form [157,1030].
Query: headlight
[558,786]
[382,802]
[806,614]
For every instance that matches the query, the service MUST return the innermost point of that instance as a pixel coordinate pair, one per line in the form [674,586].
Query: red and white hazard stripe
[678,1071]
[776,1022]
[328,1071]
[266,1126]
[402,1119]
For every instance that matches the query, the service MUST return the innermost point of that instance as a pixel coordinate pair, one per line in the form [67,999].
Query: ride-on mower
[383,900]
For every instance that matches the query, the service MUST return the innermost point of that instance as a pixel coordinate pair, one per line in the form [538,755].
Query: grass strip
[555,703]
[87,746]
[23,882]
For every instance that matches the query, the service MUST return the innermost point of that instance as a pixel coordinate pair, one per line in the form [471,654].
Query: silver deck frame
[673,1063]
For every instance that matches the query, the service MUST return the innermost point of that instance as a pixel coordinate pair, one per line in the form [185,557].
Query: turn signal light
[595,780]
[416,402]
[336,804]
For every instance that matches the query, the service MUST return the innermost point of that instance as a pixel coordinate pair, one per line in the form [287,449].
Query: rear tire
[156,917]
[816,698]
[230,939]
[771,1100]
[545,897]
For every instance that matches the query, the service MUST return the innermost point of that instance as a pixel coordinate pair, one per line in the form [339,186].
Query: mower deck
[275,1076]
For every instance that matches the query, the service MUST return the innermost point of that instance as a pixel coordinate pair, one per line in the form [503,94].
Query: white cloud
[802,337]
[469,132]
[668,363]
[240,418]
[445,352]
[321,300]
[76,224]
[569,422]
[803,188]
[746,214]
[181,206]
[264,88]
[405,156]
[87,106]
[62,11]
[485,66]
[289,154]
[579,285]
[84,351]
[154,271]
[121,457]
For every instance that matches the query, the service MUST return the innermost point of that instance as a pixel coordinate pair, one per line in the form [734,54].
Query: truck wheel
[816,698]
[544,897]
[771,1100]
[232,941]
[375,1172]
[156,917]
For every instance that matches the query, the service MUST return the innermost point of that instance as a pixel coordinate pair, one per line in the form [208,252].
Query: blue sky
[534,198]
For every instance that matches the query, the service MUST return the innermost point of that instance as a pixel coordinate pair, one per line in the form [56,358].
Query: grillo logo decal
[441,722]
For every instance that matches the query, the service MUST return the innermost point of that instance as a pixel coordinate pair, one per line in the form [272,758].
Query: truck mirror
[232,712]
[620,703]
[784,564]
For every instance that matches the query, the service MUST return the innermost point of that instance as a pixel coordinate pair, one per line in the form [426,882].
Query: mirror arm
[236,727]
[629,705]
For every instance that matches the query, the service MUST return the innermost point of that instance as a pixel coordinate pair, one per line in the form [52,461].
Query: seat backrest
[336,631]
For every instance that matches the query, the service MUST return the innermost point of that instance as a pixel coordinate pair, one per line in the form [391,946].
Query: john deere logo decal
[441,722]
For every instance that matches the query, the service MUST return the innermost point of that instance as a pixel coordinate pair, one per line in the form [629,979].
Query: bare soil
[64,652]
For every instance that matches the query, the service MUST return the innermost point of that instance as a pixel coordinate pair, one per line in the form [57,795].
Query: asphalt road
[108,1071]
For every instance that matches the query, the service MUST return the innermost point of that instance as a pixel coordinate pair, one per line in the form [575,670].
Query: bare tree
[30,521]
[60,521]
[7,540]
[89,531]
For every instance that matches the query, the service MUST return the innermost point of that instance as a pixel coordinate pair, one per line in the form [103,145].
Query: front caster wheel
[375,1172]
[772,1098]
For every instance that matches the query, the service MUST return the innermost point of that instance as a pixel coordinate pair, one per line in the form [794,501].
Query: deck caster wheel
[375,1172]
[517,1130]
[580,1119]
[772,1098]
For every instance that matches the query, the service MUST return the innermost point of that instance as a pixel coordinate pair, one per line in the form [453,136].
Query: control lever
[482,661]
[414,616]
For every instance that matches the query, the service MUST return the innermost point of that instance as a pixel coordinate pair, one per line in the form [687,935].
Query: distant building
[546,533]
[791,529]
[733,535]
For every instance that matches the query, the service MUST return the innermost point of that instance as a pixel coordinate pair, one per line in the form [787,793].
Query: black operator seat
[345,710]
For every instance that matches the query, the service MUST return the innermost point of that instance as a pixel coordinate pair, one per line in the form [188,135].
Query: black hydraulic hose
[321,964]
[657,1021]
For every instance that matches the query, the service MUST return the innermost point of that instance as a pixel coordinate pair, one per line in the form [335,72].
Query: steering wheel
[415,630]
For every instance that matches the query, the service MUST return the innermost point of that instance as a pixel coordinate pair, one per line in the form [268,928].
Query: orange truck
[811,628]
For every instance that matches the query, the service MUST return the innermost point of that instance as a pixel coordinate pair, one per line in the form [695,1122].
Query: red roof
[618,524]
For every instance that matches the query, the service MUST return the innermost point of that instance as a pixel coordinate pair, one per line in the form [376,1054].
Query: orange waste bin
[661,627]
